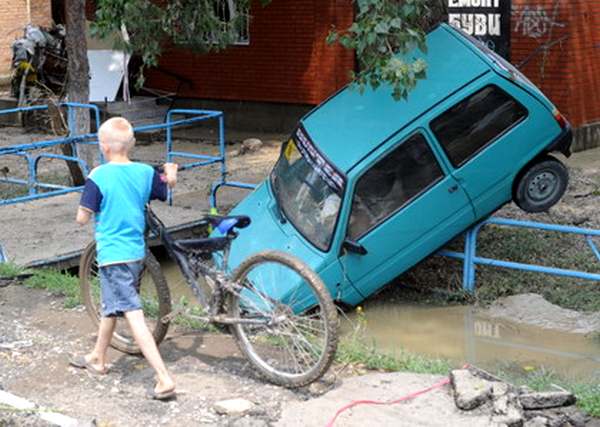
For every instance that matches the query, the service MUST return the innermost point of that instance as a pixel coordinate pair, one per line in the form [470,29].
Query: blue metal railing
[190,117]
[25,151]
[199,159]
[3,256]
[470,258]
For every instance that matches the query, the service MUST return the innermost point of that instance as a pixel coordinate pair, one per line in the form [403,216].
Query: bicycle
[290,339]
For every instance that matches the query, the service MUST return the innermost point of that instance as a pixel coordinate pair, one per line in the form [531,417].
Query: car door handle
[453,188]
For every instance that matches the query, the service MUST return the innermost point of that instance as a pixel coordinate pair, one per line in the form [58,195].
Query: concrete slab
[435,408]
[45,231]
[588,159]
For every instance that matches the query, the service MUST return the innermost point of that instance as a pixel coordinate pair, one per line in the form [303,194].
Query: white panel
[106,70]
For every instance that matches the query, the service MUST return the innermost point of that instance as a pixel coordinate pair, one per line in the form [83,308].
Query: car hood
[266,232]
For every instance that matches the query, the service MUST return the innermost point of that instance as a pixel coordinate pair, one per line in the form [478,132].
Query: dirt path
[208,368]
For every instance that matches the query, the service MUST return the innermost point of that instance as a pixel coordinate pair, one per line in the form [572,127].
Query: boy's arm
[91,198]
[83,216]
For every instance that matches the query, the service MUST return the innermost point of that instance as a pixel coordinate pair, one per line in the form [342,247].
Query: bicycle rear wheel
[154,293]
[289,336]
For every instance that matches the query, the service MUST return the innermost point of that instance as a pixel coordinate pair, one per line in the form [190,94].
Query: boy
[116,193]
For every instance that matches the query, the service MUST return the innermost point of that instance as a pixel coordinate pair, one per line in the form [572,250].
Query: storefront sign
[486,20]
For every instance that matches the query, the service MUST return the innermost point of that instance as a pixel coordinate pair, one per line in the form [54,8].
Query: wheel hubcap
[542,186]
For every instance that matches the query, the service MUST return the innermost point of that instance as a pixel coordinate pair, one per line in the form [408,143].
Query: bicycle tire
[324,308]
[157,280]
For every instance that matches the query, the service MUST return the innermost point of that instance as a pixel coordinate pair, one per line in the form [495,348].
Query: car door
[487,136]
[403,207]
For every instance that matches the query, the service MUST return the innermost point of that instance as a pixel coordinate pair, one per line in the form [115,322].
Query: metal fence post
[3,257]
[169,157]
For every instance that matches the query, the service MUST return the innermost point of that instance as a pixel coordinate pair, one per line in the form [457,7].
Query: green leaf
[332,37]
[382,28]
[396,23]
[408,9]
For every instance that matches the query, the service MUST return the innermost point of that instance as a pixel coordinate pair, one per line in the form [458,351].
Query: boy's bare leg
[145,341]
[97,358]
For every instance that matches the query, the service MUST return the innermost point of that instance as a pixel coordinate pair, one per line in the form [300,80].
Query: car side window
[391,183]
[475,122]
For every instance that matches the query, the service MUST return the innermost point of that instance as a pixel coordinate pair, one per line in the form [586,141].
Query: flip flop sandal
[81,363]
[163,395]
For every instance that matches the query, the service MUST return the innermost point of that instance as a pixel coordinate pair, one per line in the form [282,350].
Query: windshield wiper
[278,209]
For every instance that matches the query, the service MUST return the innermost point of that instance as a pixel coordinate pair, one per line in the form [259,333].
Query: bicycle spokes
[290,333]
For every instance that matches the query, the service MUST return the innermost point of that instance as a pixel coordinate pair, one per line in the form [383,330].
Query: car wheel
[542,185]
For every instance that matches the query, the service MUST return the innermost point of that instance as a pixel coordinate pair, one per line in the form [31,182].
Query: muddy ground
[37,335]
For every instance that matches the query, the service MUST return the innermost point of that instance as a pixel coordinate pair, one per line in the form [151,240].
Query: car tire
[541,185]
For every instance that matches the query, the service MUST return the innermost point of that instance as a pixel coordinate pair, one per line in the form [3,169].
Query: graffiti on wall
[534,21]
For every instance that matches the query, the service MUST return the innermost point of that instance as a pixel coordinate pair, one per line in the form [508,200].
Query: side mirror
[353,247]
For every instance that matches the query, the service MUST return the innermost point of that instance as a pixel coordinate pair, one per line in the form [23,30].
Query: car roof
[350,125]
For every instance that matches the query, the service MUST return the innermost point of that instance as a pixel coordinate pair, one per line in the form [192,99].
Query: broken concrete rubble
[233,406]
[469,391]
[549,399]
[510,406]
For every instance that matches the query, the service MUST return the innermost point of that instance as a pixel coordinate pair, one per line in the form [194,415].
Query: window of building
[391,183]
[228,12]
[476,122]
[229,24]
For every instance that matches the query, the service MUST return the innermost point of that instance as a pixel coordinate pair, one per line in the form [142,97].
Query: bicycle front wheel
[286,320]
[154,294]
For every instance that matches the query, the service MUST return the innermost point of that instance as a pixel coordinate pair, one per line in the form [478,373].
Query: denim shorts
[120,288]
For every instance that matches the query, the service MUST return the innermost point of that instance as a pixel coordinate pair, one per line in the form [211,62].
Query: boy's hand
[170,173]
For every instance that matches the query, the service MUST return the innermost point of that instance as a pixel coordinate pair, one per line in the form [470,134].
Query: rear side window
[391,183]
[475,122]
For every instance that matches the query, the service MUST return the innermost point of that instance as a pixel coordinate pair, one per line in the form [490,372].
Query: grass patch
[544,248]
[438,280]
[185,318]
[9,270]
[57,283]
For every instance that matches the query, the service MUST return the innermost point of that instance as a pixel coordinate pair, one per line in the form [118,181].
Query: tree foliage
[382,29]
[197,24]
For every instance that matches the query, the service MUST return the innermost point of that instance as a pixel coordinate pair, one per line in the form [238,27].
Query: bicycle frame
[214,306]
[158,228]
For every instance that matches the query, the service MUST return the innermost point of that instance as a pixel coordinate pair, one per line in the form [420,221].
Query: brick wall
[287,59]
[568,70]
[13,18]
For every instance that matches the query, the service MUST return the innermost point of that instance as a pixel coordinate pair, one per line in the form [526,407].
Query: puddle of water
[177,284]
[460,334]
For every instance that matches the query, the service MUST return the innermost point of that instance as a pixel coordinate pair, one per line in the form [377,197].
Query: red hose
[376,402]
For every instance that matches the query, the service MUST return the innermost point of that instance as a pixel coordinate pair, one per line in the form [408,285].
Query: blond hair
[117,133]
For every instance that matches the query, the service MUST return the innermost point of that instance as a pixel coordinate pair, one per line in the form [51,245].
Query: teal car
[367,186]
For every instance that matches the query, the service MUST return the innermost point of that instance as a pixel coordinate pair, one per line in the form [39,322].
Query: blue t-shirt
[118,193]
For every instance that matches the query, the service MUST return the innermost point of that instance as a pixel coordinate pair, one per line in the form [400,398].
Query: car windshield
[308,189]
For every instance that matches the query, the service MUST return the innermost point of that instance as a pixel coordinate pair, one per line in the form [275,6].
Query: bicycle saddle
[225,223]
